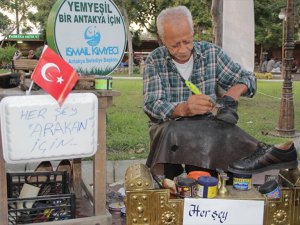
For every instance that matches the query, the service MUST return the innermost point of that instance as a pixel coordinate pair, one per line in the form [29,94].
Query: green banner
[25,36]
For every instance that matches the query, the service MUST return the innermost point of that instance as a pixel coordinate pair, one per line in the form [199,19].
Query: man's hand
[195,105]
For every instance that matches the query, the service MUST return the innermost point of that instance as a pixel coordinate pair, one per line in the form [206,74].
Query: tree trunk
[217,21]
[260,57]
[129,40]
[17,16]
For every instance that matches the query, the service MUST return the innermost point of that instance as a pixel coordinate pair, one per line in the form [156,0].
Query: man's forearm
[236,91]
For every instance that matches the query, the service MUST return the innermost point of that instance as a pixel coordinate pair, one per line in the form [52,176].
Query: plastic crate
[54,201]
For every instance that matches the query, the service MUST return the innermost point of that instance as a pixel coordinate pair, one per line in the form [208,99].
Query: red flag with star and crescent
[54,75]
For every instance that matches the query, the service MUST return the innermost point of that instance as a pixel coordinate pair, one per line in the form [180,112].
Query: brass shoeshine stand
[145,205]
[100,214]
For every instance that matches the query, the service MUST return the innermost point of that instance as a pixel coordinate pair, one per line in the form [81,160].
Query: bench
[23,66]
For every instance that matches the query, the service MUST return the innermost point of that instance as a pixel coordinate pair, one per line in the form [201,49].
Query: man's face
[178,38]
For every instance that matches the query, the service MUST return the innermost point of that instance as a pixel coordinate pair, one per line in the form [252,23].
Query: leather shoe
[227,110]
[266,157]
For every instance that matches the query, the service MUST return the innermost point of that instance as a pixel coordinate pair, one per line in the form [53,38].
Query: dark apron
[201,141]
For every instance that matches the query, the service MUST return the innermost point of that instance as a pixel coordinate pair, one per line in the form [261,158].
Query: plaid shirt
[164,88]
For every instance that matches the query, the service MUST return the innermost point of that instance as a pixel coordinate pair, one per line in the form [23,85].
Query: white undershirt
[185,69]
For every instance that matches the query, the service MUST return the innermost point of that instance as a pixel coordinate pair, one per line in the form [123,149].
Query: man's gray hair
[172,13]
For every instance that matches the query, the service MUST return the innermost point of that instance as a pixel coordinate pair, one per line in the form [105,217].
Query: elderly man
[182,128]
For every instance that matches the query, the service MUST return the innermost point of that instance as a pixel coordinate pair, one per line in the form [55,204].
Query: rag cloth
[201,141]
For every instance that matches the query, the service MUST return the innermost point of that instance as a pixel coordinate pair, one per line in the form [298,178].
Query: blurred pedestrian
[31,55]
[270,65]
[294,66]
[17,55]
[263,68]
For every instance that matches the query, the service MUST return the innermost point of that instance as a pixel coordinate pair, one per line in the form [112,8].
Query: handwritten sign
[222,211]
[35,128]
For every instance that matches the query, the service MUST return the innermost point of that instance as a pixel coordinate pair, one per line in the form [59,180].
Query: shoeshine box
[34,128]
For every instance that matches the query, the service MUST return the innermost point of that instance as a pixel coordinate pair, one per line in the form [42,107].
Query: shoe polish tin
[242,182]
[195,175]
[208,187]
[270,190]
[186,187]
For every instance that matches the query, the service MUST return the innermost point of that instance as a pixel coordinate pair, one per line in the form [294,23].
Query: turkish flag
[54,75]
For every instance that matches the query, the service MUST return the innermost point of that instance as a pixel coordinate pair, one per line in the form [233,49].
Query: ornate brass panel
[280,211]
[297,207]
[153,207]
[138,177]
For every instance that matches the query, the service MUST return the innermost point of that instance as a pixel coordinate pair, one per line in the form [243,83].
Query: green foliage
[20,10]
[4,23]
[38,51]
[201,16]
[136,40]
[2,71]
[41,16]
[268,27]
[7,53]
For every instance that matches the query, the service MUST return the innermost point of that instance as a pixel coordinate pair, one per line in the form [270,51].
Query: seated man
[183,129]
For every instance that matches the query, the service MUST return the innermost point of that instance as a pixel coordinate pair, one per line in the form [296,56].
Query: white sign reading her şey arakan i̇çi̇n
[89,34]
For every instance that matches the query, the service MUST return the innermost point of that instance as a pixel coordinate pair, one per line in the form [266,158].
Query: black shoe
[227,110]
[266,157]
[227,115]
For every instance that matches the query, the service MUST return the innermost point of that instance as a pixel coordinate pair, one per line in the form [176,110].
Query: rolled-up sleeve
[230,73]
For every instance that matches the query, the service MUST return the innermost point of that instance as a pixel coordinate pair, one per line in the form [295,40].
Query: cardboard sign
[222,211]
[35,128]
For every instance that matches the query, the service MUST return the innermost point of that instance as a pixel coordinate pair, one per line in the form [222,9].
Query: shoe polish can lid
[186,182]
[268,187]
[196,174]
[235,175]
[208,181]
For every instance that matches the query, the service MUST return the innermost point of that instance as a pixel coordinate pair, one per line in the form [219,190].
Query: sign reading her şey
[222,211]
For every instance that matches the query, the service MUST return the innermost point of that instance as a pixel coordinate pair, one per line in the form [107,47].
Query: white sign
[89,34]
[222,211]
[35,128]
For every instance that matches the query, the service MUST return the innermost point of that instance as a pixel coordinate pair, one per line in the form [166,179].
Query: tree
[6,54]
[40,17]
[5,25]
[201,17]
[268,27]
[20,9]
[144,12]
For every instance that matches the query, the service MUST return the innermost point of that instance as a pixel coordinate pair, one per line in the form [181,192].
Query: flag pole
[31,84]
[30,87]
